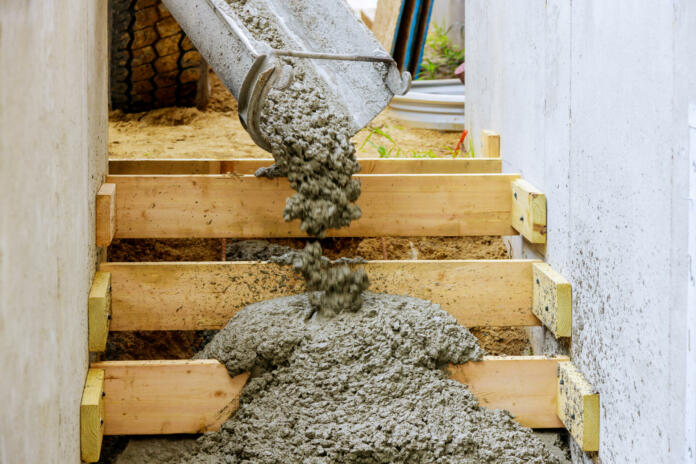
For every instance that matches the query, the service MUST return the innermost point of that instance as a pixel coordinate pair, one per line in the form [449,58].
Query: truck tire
[152,64]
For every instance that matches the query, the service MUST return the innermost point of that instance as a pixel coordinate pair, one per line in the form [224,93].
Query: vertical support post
[528,211]
[92,416]
[490,144]
[106,214]
[99,308]
[578,406]
[552,300]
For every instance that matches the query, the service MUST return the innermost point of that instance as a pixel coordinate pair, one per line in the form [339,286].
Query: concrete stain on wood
[552,300]
[578,406]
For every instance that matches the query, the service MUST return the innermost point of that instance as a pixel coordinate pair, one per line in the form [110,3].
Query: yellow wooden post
[578,406]
[528,211]
[92,416]
[105,214]
[552,300]
[99,308]
[490,144]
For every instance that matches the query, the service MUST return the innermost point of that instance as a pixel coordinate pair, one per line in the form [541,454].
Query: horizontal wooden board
[523,385]
[166,397]
[198,296]
[221,206]
[249,166]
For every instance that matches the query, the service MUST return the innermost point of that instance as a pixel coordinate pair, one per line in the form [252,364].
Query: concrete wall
[53,117]
[591,101]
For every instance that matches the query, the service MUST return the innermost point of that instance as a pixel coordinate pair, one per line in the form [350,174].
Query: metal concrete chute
[358,76]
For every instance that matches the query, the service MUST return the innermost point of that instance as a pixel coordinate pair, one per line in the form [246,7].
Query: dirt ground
[217,133]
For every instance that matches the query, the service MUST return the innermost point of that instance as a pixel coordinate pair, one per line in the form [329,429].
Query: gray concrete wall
[53,118]
[591,101]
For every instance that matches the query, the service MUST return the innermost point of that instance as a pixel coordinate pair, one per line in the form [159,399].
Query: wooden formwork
[212,198]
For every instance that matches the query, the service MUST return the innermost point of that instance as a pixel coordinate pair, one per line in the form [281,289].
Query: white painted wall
[53,118]
[591,100]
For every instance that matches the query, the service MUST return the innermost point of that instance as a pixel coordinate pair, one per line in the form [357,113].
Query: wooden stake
[92,416]
[167,397]
[578,406]
[552,302]
[105,214]
[199,296]
[490,144]
[99,307]
[528,211]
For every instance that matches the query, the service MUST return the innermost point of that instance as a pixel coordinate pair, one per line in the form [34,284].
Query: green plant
[442,56]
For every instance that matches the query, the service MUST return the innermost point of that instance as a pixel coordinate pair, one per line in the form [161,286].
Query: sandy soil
[217,133]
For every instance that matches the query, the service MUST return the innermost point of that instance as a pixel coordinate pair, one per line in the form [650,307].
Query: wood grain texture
[249,166]
[578,406]
[528,211]
[166,397]
[490,144]
[552,300]
[99,309]
[523,385]
[198,296]
[230,206]
[105,214]
[92,416]
[386,21]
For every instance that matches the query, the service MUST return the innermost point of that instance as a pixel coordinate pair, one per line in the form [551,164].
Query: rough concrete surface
[359,387]
[53,120]
[590,99]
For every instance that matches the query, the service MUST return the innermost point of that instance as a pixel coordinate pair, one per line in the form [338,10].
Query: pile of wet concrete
[358,387]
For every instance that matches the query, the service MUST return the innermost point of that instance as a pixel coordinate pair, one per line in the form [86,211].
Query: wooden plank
[523,385]
[490,144]
[528,211]
[578,406]
[552,300]
[105,214]
[92,416]
[99,308]
[248,207]
[165,397]
[249,166]
[140,399]
[366,19]
[385,25]
[198,296]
